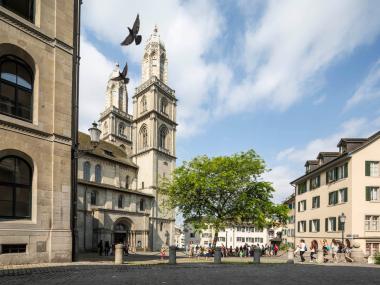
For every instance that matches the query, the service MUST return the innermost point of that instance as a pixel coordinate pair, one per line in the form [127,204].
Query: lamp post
[76,153]
[342,220]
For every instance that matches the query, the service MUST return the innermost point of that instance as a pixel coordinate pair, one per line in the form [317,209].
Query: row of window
[120,201]
[372,168]
[288,232]
[332,224]
[372,193]
[98,174]
[250,239]
[162,137]
[249,230]
[163,105]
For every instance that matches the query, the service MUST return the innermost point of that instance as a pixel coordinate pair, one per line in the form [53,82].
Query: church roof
[105,150]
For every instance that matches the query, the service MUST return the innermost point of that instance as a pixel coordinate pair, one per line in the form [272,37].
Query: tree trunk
[215,239]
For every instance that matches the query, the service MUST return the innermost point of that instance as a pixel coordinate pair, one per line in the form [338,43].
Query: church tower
[154,129]
[115,122]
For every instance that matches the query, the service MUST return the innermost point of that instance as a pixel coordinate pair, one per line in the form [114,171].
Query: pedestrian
[106,248]
[303,249]
[326,250]
[334,250]
[275,249]
[313,250]
[100,247]
[162,253]
[347,251]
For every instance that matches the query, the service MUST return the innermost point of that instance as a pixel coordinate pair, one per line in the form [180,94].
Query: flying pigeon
[123,75]
[133,36]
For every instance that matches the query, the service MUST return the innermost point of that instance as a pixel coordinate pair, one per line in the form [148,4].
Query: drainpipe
[74,126]
[84,217]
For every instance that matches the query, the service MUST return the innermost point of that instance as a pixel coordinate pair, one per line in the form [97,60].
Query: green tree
[223,191]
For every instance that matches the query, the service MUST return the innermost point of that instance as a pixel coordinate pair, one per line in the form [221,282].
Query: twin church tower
[147,136]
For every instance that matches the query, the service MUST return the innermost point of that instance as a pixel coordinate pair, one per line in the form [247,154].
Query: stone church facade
[118,198]
[37,74]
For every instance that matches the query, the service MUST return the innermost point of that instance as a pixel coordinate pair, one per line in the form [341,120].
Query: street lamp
[342,220]
[94,134]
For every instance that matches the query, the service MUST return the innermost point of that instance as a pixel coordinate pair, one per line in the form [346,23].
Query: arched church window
[164,106]
[143,136]
[121,129]
[120,201]
[86,170]
[15,187]
[163,137]
[93,199]
[98,173]
[142,205]
[143,104]
[16,85]
[127,181]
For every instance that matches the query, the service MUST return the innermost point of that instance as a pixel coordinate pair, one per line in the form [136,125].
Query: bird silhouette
[122,75]
[133,34]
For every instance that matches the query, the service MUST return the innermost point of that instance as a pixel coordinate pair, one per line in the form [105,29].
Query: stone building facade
[343,182]
[119,181]
[36,70]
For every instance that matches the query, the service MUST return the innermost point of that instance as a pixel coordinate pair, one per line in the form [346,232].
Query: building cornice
[116,112]
[148,149]
[111,187]
[144,87]
[29,28]
[147,114]
[31,130]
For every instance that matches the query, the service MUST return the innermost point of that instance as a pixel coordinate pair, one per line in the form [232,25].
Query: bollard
[290,255]
[172,255]
[256,255]
[320,257]
[218,256]
[119,256]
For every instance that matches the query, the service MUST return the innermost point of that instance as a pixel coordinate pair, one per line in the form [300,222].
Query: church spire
[155,61]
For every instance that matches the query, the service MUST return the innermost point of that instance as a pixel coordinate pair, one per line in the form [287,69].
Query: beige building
[346,182]
[37,45]
[231,236]
[118,181]
[288,230]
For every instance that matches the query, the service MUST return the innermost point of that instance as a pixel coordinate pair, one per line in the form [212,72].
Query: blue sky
[286,78]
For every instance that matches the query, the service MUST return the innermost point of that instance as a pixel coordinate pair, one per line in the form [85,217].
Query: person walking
[106,248]
[302,247]
[347,250]
[275,249]
[313,250]
[334,250]
[100,247]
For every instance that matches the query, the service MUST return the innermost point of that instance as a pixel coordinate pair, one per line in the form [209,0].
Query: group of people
[332,248]
[242,251]
[108,250]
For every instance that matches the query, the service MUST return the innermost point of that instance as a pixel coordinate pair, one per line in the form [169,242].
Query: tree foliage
[223,191]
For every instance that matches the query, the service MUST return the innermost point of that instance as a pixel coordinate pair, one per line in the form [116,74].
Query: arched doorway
[121,230]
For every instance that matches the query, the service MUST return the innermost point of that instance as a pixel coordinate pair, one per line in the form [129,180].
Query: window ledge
[337,204]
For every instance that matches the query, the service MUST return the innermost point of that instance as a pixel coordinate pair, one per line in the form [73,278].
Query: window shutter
[345,170]
[319,181]
[334,224]
[326,225]
[368,193]
[298,226]
[335,173]
[318,225]
[305,206]
[299,206]
[318,202]
[367,168]
[345,195]
[331,198]
[327,177]
[310,221]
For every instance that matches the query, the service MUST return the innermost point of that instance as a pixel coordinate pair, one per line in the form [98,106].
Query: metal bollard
[119,256]
[218,256]
[172,255]
[256,255]
[290,255]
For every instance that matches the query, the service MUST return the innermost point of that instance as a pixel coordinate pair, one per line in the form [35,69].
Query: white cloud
[283,52]
[286,52]
[369,89]
[188,30]
[94,71]
[280,176]
[319,100]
